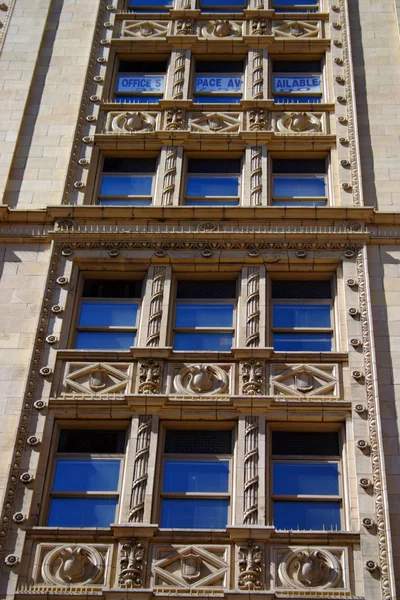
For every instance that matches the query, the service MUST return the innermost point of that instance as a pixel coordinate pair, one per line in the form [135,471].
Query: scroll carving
[256,176]
[179,76]
[140,469]
[251,562]
[131,565]
[250,515]
[252,377]
[155,311]
[169,176]
[257,76]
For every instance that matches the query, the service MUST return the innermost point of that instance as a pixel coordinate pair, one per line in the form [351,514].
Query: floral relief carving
[251,564]
[130,122]
[222,28]
[252,377]
[215,122]
[306,568]
[301,122]
[201,379]
[131,564]
[144,29]
[174,119]
[73,565]
[95,379]
[190,567]
[257,119]
[295,29]
[149,377]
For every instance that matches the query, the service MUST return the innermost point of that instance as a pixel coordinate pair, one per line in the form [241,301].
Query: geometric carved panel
[215,122]
[295,29]
[96,379]
[190,567]
[144,29]
[310,568]
[304,380]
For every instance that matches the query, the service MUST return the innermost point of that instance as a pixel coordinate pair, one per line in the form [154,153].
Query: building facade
[200,316]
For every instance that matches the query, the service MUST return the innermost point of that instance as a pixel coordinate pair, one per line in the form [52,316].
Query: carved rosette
[140,468]
[155,311]
[179,76]
[169,176]
[73,564]
[130,122]
[257,76]
[251,563]
[306,568]
[252,377]
[256,176]
[131,564]
[250,514]
[201,379]
[149,377]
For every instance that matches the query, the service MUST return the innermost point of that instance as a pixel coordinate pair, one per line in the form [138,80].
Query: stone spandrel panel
[195,567]
[201,379]
[95,379]
[305,380]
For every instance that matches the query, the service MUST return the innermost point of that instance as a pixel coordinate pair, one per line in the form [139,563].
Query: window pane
[189,441]
[108,314]
[125,202]
[149,3]
[212,186]
[97,441]
[196,476]
[299,186]
[296,3]
[105,340]
[140,83]
[217,99]
[82,512]
[138,99]
[307,515]
[294,84]
[215,84]
[306,443]
[204,315]
[223,202]
[90,475]
[221,3]
[299,202]
[182,513]
[306,478]
[128,185]
[301,315]
[213,342]
[307,342]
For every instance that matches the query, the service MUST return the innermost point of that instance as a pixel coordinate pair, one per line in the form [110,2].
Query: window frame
[78,307]
[296,201]
[219,200]
[124,96]
[307,459]
[163,456]
[233,329]
[56,455]
[321,74]
[125,199]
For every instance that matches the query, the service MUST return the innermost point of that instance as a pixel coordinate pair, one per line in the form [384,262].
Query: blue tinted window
[140,83]
[299,186]
[143,4]
[194,513]
[298,99]
[108,314]
[222,202]
[86,475]
[213,342]
[307,515]
[124,202]
[105,340]
[204,315]
[301,315]
[82,512]
[306,478]
[196,476]
[134,99]
[302,342]
[296,3]
[298,203]
[217,99]
[212,186]
[126,185]
[222,4]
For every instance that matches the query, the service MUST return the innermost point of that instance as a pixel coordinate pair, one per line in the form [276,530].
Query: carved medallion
[73,565]
[201,379]
[309,568]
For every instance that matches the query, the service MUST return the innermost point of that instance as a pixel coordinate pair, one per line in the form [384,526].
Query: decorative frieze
[296,29]
[215,122]
[308,568]
[144,29]
[201,379]
[95,379]
[300,123]
[131,122]
[304,380]
[222,29]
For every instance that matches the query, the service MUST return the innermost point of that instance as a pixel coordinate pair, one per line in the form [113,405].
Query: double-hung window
[108,314]
[213,182]
[127,181]
[302,316]
[86,479]
[297,81]
[218,82]
[306,480]
[196,479]
[140,82]
[299,182]
[204,318]
[296,6]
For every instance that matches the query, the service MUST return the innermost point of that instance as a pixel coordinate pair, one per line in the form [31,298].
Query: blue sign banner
[291,84]
[214,84]
[140,83]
